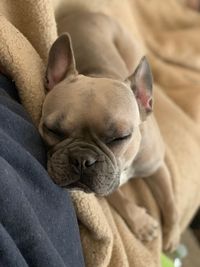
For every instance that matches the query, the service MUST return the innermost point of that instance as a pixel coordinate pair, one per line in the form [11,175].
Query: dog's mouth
[76,185]
[80,186]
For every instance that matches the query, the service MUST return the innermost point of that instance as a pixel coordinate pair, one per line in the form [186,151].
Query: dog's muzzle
[84,166]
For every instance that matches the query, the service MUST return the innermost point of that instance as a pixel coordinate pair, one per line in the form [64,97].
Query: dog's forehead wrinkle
[89,96]
[55,120]
[114,128]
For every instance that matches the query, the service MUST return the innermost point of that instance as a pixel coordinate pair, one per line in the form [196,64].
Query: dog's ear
[141,84]
[61,62]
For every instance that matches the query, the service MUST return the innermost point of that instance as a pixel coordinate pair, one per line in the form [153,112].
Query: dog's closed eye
[118,140]
[54,131]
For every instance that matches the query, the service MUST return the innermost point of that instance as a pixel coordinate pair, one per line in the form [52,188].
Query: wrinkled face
[91,126]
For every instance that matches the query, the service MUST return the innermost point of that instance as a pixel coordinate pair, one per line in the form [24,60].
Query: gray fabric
[38,225]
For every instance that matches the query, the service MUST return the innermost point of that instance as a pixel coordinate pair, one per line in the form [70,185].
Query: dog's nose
[81,163]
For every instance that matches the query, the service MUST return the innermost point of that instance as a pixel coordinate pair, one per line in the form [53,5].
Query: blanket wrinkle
[168,32]
[173,48]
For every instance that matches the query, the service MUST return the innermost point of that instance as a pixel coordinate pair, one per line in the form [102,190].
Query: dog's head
[91,125]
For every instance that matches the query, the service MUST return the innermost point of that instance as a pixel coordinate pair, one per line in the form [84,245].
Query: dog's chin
[79,186]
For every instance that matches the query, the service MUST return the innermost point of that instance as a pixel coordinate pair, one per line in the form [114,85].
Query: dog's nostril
[75,162]
[80,164]
[88,163]
[75,165]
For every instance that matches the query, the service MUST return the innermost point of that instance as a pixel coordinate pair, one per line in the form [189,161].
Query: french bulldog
[98,123]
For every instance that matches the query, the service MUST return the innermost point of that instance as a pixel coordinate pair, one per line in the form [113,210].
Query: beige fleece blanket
[169,33]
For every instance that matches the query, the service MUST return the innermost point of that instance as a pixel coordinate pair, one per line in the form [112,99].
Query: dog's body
[98,120]
[100,52]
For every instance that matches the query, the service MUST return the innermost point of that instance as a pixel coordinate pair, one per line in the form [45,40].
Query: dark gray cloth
[38,226]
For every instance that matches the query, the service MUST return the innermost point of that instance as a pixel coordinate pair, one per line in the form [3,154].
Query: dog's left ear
[141,84]
[61,62]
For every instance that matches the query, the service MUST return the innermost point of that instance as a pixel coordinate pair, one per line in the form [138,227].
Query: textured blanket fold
[169,33]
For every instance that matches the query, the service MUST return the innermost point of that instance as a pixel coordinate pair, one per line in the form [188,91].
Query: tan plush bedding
[169,33]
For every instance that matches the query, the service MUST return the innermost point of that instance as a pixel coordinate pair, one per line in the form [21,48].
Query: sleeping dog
[97,120]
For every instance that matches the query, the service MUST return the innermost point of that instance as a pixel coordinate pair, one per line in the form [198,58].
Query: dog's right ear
[61,62]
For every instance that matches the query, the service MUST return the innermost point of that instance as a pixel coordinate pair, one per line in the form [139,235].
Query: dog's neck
[106,65]
[95,49]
